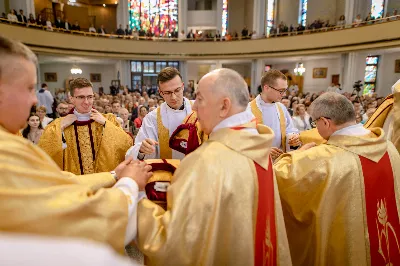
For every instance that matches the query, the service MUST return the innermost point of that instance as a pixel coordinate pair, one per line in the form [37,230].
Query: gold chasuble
[163,137]
[90,146]
[38,198]
[223,207]
[391,105]
[341,201]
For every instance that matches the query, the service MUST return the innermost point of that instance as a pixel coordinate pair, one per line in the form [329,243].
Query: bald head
[228,83]
[220,94]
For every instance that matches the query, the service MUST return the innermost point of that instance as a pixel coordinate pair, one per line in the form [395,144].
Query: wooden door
[335,79]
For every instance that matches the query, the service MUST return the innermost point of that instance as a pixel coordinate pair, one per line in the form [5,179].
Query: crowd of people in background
[282,29]
[132,105]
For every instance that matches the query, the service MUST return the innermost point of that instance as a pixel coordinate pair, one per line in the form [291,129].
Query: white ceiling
[50,59]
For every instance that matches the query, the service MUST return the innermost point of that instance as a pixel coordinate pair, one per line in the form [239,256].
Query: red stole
[265,249]
[381,210]
[265,236]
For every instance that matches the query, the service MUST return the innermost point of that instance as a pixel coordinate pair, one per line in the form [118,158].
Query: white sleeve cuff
[130,188]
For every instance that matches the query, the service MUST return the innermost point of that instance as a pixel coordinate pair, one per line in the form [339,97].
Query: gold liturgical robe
[390,107]
[341,201]
[91,147]
[38,198]
[223,207]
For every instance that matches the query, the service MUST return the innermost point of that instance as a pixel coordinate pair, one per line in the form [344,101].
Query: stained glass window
[224,17]
[371,70]
[270,16]
[145,72]
[160,17]
[303,12]
[377,7]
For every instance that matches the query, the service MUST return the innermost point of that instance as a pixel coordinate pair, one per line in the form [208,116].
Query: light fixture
[299,70]
[116,2]
[104,5]
[76,70]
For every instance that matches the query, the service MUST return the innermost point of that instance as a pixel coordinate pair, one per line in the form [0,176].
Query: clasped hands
[138,171]
[294,141]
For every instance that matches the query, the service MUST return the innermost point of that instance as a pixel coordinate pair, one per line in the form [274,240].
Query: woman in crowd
[40,20]
[142,113]
[34,130]
[12,16]
[44,120]
[301,119]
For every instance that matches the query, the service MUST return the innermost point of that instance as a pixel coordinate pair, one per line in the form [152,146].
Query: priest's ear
[226,107]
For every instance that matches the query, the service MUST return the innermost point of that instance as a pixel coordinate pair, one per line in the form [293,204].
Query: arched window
[303,13]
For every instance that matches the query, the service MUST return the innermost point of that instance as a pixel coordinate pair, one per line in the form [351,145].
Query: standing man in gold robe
[37,197]
[223,204]
[341,199]
[85,141]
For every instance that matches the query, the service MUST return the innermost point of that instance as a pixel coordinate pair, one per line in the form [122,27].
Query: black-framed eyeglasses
[169,93]
[314,122]
[83,97]
[280,91]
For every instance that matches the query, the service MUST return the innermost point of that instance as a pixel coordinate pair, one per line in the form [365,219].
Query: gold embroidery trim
[282,124]
[85,149]
[163,138]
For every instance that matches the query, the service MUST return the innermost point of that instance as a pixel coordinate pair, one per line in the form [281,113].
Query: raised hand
[97,117]
[148,146]
[67,120]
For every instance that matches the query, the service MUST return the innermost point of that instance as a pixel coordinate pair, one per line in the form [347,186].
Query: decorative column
[122,13]
[257,70]
[182,15]
[123,67]
[184,72]
[219,15]
[259,8]
[348,71]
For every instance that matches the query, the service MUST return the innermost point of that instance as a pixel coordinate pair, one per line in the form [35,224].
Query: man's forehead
[86,91]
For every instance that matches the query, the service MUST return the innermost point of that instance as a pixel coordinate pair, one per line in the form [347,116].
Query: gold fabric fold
[323,202]
[110,145]
[163,137]
[396,119]
[212,203]
[43,200]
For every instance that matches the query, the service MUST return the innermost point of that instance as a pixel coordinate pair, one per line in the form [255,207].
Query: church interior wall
[340,10]
[236,19]
[244,69]
[288,12]
[64,73]
[202,18]
[3,6]
[314,84]
[321,9]
[386,73]
[392,5]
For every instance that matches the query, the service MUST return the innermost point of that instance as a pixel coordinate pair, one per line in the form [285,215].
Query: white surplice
[171,119]
[271,118]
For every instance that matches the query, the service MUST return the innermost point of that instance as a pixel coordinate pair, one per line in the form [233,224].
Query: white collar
[354,130]
[262,103]
[82,117]
[235,120]
[185,107]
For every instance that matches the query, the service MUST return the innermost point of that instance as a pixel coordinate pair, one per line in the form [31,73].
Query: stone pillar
[123,66]
[219,15]
[182,15]
[259,18]
[183,65]
[348,73]
[257,69]
[122,13]
[27,5]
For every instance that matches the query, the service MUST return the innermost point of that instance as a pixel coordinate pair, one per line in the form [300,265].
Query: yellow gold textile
[256,112]
[110,145]
[43,200]
[311,135]
[163,137]
[282,124]
[378,118]
[396,119]
[212,205]
[322,198]
[162,175]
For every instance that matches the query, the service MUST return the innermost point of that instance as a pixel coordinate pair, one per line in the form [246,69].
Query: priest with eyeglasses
[85,141]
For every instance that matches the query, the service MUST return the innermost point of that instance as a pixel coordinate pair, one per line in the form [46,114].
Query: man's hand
[307,146]
[148,146]
[97,117]
[294,140]
[67,120]
[275,153]
[139,171]
[121,166]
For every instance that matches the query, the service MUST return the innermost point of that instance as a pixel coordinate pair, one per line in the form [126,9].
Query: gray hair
[334,106]
[232,84]
[9,49]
